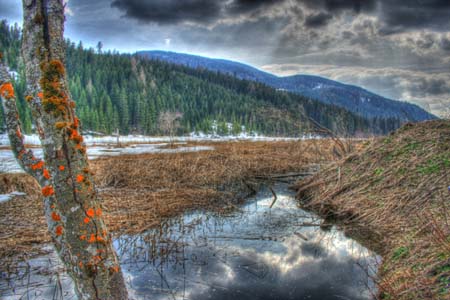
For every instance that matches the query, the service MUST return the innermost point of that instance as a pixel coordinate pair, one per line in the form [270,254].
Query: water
[254,252]
[8,163]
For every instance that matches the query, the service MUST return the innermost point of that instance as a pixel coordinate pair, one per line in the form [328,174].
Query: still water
[252,252]
[256,252]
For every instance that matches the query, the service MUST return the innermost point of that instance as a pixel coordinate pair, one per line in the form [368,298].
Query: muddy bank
[396,191]
[141,190]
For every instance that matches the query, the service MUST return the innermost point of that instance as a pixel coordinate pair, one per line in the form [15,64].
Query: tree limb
[25,157]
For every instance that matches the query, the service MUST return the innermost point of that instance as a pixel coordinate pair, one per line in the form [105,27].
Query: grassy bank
[395,195]
[139,191]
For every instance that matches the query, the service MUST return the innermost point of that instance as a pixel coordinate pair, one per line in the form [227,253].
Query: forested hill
[130,93]
[352,98]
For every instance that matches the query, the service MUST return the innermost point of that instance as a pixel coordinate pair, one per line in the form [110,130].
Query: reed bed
[394,195]
[139,191]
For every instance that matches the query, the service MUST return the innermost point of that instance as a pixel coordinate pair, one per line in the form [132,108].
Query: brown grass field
[139,191]
[392,194]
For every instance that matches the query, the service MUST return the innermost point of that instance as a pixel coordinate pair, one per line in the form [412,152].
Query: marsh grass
[397,189]
[139,191]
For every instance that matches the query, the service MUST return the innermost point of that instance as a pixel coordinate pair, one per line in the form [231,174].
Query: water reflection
[255,253]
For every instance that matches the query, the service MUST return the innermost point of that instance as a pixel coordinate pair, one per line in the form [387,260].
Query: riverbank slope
[395,195]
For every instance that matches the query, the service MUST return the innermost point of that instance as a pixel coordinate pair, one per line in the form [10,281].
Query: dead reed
[139,191]
[397,189]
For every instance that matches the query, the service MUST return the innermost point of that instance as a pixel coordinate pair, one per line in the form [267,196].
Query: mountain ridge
[351,97]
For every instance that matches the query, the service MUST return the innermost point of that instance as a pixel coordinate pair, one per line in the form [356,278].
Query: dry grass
[138,191]
[397,190]
[22,224]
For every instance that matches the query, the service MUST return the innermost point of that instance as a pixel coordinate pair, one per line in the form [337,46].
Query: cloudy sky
[399,49]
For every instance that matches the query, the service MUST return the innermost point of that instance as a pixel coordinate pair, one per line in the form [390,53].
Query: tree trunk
[72,207]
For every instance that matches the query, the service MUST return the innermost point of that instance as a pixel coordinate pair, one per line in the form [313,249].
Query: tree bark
[72,207]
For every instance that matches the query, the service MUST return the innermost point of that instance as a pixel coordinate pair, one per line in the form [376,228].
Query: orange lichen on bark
[100,239]
[75,136]
[38,165]
[61,168]
[21,153]
[28,98]
[59,230]
[60,125]
[57,66]
[90,212]
[86,220]
[76,122]
[46,174]
[114,269]
[48,191]
[98,212]
[92,239]
[7,90]
[80,178]
[56,217]
[52,83]
[59,103]
[18,133]
[80,147]
[40,95]
[83,237]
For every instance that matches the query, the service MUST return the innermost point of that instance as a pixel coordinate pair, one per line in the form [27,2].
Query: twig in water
[274,197]
[301,236]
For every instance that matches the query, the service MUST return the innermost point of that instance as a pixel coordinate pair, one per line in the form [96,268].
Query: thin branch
[29,163]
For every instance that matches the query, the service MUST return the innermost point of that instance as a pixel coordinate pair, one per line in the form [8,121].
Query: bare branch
[26,158]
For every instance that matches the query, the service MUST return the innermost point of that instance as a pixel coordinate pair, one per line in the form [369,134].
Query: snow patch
[135,144]
[193,137]
[8,163]
[10,196]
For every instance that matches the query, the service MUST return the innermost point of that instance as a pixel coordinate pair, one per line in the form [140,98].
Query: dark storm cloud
[396,16]
[177,11]
[243,6]
[399,16]
[235,36]
[318,20]
[339,5]
[431,86]
[445,44]
[169,11]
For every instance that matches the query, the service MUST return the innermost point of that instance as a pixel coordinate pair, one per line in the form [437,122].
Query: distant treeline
[129,93]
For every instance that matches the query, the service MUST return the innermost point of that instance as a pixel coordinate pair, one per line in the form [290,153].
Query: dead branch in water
[274,197]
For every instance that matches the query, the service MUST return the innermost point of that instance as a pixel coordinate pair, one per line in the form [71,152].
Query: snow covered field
[134,144]
[8,163]
[94,140]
